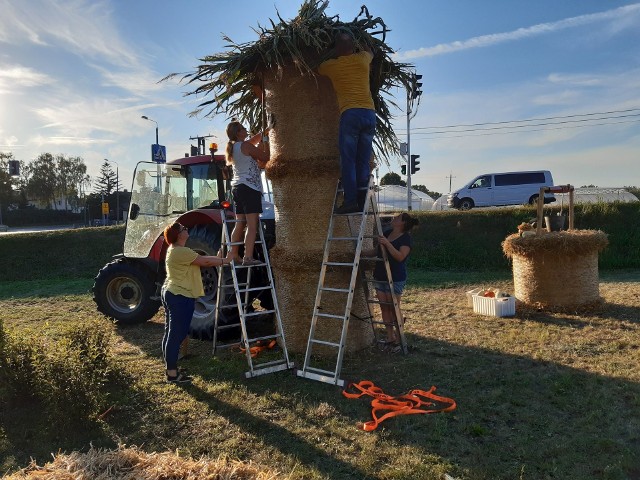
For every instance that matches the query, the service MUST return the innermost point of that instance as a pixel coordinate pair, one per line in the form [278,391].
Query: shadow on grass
[516,415]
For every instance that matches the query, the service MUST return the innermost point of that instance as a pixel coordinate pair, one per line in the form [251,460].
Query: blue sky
[76,76]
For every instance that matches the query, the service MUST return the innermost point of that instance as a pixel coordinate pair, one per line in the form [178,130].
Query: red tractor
[190,190]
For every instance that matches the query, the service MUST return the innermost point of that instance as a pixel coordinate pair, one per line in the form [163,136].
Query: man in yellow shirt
[349,74]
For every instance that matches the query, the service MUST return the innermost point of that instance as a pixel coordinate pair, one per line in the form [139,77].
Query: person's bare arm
[210,261]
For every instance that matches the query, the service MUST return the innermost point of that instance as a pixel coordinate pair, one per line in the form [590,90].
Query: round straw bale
[556,270]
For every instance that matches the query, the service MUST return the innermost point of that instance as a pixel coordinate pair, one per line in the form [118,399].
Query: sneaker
[347,208]
[181,377]
[250,261]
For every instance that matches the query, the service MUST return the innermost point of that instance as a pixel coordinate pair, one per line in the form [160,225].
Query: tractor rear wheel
[123,290]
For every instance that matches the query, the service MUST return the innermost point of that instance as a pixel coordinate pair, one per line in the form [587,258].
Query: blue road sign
[158,153]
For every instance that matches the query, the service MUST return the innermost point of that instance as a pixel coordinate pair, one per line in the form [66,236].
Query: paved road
[46,228]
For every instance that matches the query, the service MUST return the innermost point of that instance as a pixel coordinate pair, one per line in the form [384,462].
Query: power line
[424,134]
[531,119]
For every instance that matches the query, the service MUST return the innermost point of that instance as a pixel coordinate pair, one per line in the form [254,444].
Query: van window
[519,178]
[482,182]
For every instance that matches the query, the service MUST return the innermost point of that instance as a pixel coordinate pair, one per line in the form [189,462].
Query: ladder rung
[259,312]
[323,342]
[343,238]
[320,370]
[374,259]
[254,289]
[228,307]
[267,337]
[333,380]
[263,370]
[328,315]
[261,264]
[229,285]
[327,289]
[339,264]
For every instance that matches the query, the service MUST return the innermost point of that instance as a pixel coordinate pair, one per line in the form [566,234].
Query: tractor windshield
[160,194]
[158,197]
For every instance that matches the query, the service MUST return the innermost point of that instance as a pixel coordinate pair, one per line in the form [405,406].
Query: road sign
[158,153]
[105,208]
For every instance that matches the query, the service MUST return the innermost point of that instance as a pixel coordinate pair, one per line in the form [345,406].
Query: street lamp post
[151,120]
[117,190]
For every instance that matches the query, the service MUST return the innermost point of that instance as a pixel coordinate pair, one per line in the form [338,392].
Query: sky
[507,84]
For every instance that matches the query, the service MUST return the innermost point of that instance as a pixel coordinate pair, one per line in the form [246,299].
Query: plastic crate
[495,307]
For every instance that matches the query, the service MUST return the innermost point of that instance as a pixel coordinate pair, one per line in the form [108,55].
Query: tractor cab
[163,193]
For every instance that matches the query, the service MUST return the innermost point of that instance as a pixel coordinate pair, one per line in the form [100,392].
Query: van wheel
[533,200]
[466,204]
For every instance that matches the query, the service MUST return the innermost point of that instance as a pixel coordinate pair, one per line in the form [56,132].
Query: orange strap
[258,347]
[416,401]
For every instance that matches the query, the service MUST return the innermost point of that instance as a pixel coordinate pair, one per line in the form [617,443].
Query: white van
[507,188]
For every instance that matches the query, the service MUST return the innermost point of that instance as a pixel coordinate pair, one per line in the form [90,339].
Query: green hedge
[77,253]
[453,240]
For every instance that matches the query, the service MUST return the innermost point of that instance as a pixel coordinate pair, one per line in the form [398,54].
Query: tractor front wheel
[124,290]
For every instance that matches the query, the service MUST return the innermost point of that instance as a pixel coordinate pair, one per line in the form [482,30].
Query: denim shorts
[398,287]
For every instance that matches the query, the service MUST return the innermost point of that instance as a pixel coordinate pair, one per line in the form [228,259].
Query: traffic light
[403,169]
[413,163]
[416,85]
[14,168]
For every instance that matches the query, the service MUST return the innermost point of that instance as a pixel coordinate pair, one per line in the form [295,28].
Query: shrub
[67,375]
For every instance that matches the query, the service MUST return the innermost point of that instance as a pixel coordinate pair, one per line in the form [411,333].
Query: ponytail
[232,132]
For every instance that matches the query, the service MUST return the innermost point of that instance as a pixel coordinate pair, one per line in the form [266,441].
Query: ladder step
[327,289]
[321,378]
[328,315]
[284,365]
[267,337]
[233,286]
[320,370]
[254,289]
[259,312]
[323,342]
[339,264]
[374,259]
[261,264]
[342,238]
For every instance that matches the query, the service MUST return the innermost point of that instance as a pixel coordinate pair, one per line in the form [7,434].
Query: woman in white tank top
[247,156]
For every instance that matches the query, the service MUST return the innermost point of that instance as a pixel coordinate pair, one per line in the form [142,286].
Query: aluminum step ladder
[358,233]
[243,291]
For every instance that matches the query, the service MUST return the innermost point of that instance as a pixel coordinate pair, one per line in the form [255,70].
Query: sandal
[181,377]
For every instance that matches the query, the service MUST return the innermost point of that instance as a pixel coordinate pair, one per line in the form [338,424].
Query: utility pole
[201,148]
[413,93]
[450,177]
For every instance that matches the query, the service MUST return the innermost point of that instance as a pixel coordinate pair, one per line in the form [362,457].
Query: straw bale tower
[304,166]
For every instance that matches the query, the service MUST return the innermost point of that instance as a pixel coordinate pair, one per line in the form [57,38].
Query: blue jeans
[178,311]
[357,128]
[398,287]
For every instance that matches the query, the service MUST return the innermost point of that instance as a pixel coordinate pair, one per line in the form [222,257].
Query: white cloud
[14,77]
[619,19]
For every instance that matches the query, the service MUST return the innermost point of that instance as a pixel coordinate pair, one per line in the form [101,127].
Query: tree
[392,178]
[7,183]
[42,179]
[424,189]
[72,176]
[106,181]
[304,168]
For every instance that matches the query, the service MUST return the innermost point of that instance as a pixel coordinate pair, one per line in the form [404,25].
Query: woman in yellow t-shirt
[179,292]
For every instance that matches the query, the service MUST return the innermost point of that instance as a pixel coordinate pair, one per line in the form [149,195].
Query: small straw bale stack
[304,170]
[556,270]
[133,464]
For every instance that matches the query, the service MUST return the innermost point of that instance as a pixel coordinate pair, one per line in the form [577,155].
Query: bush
[66,375]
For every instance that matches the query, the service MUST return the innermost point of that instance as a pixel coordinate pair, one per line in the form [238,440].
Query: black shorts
[246,199]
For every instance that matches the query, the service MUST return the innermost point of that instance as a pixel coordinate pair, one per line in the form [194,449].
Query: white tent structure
[595,195]
[441,203]
[393,198]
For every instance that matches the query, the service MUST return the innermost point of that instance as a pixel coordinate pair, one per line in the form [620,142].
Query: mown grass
[539,396]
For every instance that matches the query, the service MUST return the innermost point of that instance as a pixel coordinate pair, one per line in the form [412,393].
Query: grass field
[539,396]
